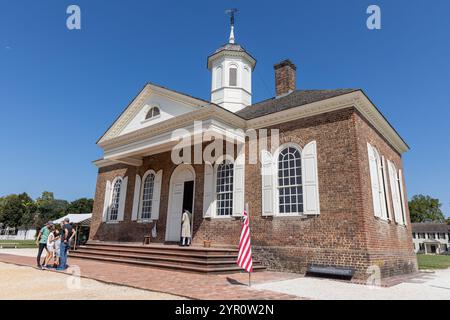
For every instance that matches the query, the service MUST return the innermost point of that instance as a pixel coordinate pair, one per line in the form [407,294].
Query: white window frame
[108,216]
[276,182]
[382,184]
[153,117]
[141,196]
[233,66]
[216,207]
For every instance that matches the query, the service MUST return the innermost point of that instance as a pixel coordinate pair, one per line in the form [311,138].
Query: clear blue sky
[61,89]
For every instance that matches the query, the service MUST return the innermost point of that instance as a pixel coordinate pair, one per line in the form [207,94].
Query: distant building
[431,238]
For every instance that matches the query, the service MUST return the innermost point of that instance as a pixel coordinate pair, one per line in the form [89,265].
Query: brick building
[327,188]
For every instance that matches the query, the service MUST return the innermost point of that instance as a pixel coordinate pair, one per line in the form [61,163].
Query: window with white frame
[232,76]
[147,196]
[290,189]
[154,112]
[224,188]
[218,77]
[378,183]
[115,199]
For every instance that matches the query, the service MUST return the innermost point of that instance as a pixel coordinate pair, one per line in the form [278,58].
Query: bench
[8,245]
[330,271]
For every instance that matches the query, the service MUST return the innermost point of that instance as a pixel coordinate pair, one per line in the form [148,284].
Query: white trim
[141,198]
[276,186]
[355,99]
[219,160]
[177,170]
[111,197]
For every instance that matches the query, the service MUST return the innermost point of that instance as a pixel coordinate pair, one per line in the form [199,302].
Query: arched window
[147,196]
[224,188]
[114,207]
[218,77]
[152,113]
[290,189]
[233,76]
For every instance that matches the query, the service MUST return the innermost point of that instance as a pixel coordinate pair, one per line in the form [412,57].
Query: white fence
[21,234]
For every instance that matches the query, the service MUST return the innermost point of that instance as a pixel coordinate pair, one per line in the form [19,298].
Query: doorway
[181,197]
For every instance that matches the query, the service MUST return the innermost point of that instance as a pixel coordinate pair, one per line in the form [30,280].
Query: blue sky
[61,89]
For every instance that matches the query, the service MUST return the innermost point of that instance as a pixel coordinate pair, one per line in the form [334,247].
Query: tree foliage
[83,205]
[425,208]
[20,210]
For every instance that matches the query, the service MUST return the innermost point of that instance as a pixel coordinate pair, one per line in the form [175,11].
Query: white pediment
[167,109]
[170,104]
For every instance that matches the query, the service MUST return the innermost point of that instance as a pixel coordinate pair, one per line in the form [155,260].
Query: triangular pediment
[169,103]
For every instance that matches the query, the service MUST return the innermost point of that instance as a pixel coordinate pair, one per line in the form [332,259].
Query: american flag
[245,249]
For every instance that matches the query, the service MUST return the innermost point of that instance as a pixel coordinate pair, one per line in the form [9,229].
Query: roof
[231,47]
[430,227]
[294,99]
[76,218]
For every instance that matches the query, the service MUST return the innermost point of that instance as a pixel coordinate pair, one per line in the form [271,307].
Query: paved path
[31,284]
[424,286]
[190,285]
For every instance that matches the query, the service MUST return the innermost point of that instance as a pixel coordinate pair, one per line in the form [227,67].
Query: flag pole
[249,273]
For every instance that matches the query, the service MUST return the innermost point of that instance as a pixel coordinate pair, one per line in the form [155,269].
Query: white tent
[76,218]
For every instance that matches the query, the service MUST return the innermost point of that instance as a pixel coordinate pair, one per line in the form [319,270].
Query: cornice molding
[132,110]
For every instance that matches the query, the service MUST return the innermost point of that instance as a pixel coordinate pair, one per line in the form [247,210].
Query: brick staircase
[193,258]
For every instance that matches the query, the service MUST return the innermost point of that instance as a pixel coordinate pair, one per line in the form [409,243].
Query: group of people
[56,242]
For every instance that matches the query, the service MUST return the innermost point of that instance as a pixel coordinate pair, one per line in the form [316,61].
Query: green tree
[83,205]
[14,207]
[424,208]
[49,208]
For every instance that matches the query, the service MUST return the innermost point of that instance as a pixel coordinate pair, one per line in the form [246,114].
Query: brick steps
[194,259]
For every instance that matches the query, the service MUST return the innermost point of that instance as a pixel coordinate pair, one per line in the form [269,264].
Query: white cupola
[231,69]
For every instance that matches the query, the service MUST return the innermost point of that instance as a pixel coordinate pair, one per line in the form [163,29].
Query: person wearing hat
[41,241]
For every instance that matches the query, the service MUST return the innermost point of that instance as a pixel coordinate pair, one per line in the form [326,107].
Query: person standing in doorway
[67,234]
[41,241]
[186,228]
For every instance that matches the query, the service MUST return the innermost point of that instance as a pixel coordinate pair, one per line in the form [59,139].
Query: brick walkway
[190,285]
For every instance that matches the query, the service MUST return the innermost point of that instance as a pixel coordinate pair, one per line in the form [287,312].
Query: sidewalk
[190,285]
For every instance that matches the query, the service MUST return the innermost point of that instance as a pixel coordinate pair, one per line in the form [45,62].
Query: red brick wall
[346,233]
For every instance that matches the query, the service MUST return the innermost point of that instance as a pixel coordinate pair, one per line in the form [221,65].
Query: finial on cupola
[231,13]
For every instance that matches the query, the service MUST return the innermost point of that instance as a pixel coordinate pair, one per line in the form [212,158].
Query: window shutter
[156,195]
[394,192]
[268,184]
[402,196]
[310,179]
[122,198]
[106,200]
[374,181]
[386,193]
[208,191]
[381,188]
[137,194]
[239,186]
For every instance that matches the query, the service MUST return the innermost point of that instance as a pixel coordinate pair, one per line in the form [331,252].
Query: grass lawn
[21,243]
[433,261]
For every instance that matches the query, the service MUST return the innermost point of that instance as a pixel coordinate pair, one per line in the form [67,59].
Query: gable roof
[294,99]
[430,227]
[149,87]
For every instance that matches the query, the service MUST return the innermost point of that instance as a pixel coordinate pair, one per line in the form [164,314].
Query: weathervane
[231,13]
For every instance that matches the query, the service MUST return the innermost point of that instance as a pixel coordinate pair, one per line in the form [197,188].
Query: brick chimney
[285,77]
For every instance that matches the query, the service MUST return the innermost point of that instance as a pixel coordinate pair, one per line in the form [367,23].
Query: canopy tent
[78,220]
[82,219]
